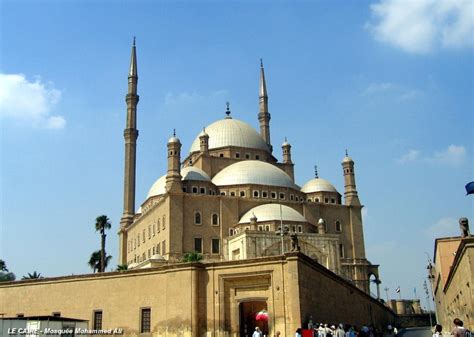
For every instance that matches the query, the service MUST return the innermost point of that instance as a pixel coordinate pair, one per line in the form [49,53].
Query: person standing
[340,331]
[438,331]
[257,332]
[459,329]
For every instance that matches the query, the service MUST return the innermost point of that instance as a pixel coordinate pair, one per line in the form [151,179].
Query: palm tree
[33,276]
[102,223]
[122,267]
[95,263]
[192,257]
[5,276]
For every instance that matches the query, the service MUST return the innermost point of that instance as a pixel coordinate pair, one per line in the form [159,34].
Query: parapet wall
[200,299]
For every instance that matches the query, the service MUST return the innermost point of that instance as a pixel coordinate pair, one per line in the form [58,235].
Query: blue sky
[391,81]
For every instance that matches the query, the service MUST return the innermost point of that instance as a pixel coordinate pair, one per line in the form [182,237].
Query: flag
[398,290]
[470,188]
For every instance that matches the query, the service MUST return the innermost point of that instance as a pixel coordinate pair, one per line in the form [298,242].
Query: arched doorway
[248,311]
[374,285]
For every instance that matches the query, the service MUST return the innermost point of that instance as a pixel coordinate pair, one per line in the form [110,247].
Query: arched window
[338,226]
[215,219]
[197,218]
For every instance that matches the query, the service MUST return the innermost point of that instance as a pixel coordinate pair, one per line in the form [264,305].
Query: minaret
[264,115]
[286,148]
[350,191]
[173,177]
[204,142]
[130,134]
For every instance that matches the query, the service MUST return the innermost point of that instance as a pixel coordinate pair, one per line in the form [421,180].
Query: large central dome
[253,172]
[231,132]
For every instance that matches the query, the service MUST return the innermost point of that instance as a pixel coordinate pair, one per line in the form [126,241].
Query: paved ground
[415,332]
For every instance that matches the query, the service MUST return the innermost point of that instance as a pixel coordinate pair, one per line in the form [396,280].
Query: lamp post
[386,291]
[428,300]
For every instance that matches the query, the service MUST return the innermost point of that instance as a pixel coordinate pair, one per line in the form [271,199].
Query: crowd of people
[326,330]
[345,330]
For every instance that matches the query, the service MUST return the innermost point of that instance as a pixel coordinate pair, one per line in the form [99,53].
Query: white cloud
[454,155]
[444,227]
[400,92]
[374,88]
[29,102]
[423,25]
[410,156]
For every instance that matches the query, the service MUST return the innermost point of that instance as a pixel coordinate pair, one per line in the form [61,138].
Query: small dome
[203,133]
[194,173]
[318,185]
[253,172]
[321,221]
[347,159]
[270,212]
[231,132]
[173,139]
[187,173]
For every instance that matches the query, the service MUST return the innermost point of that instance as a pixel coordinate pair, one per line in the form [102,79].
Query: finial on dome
[174,132]
[134,41]
[227,112]
[253,218]
[347,155]
[261,63]
[316,171]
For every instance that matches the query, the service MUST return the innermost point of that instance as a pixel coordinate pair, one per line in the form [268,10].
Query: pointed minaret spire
[133,61]
[263,84]
[316,175]
[264,115]
[130,134]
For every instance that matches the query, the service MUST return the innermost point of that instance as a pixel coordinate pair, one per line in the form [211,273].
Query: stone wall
[200,299]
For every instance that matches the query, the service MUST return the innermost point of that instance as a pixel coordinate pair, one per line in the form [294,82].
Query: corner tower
[264,115]
[173,177]
[130,135]
[350,191]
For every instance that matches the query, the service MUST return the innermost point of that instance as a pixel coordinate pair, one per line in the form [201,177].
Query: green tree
[3,266]
[102,223]
[122,267]
[33,276]
[94,261]
[192,257]
[5,276]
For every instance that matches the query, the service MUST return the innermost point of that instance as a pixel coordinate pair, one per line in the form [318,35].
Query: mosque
[229,198]
[268,245]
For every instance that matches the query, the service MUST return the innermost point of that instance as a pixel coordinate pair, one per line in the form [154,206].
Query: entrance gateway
[248,311]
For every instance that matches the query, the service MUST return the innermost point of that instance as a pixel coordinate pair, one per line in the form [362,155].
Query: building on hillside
[230,198]
[452,279]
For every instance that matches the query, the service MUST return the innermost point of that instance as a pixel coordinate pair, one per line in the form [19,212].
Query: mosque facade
[229,198]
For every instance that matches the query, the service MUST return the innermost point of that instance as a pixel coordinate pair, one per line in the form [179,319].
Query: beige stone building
[228,198]
[296,252]
[452,279]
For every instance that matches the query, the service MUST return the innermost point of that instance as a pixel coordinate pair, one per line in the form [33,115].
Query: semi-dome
[231,132]
[270,212]
[253,172]
[187,173]
[318,185]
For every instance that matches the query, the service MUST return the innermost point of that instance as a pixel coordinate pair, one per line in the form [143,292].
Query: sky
[389,80]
